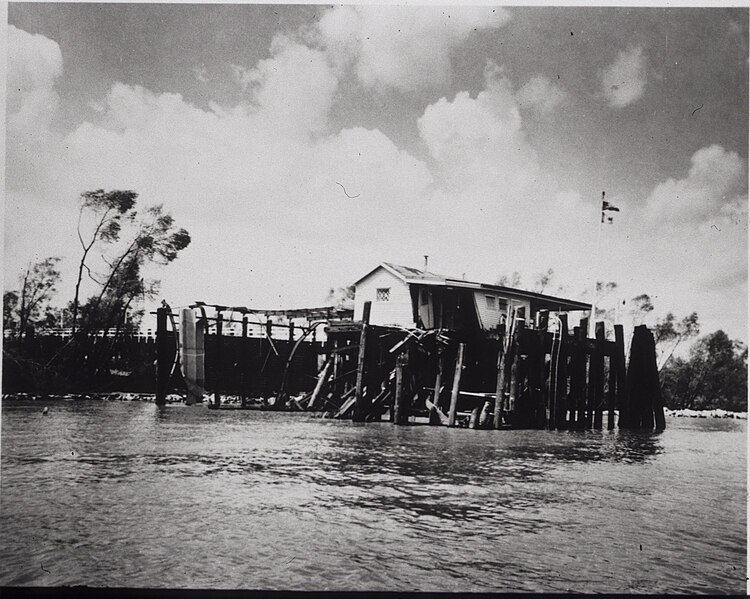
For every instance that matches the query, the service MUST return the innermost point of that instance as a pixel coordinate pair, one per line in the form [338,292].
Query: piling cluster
[527,374]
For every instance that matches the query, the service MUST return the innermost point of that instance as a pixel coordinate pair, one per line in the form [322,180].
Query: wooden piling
[434,412]
[597,374]
[611,392]
[322,380]
[456,383]
[578,377]
[621,398]
[500,385]
[514,374]
[218,366]
[163,364]
[243,360]
[400,401]
[361,407]
[560,369]
[474,418]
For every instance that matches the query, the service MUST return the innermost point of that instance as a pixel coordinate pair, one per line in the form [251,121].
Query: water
[130,494]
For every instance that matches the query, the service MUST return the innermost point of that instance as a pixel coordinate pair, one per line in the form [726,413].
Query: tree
[10,312]
[150,238]
[107,210]
[37,288]
[668,334]
[341,297]
[714,376]
[639,308]
[154,240]
[513,280]
[543,279]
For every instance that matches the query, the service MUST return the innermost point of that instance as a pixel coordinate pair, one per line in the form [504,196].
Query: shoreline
[268,403]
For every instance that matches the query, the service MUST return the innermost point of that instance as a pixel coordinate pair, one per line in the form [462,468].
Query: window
[383,294]
[491,302]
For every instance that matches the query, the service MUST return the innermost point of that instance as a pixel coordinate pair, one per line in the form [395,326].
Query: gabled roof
[404,273]
[415,276]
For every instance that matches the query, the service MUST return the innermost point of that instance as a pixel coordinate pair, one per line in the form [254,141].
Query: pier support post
[361,407]
[560,368]
[243,362]
[502,352]
[400,401]
[622,400]
[597,374]
[163,365]
[456,384]
[434,416]
[515,356]
[219,357]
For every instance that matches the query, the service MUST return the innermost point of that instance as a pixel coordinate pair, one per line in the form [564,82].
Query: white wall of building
[396,311]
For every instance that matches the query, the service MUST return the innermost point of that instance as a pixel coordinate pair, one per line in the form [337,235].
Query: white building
[408,297]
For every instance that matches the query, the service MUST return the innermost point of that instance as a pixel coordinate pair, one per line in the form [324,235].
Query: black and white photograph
[375,297]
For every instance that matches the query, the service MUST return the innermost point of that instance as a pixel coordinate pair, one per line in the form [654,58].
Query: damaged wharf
[523,373]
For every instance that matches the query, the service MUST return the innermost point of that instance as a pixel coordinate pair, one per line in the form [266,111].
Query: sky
[302,145]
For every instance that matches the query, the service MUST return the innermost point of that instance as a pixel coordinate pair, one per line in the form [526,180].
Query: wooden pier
[528,375]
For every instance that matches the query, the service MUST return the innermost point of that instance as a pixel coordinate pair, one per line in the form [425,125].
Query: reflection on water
[131,494]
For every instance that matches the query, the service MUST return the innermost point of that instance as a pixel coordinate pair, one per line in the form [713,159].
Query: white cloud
[404,47]
[34,63]
[714,174]
[255,184]
[482,138]
[258,185]
[623,82]
[541,94]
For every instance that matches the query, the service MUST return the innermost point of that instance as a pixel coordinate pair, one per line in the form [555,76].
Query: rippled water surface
[131,494]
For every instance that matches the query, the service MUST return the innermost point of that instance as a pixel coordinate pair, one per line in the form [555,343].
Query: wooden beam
[497,416]
[163,364]
[456,384]
[244,370]
[560,365]
[219,357]
[597,373]
[433,408]
[322,379]
[434,411]
[611,393]
[622,400]
[360,407]
[400,407]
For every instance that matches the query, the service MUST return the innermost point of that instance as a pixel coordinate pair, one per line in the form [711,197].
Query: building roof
[415,276]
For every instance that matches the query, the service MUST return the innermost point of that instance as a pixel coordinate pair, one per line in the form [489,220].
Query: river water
[131,494]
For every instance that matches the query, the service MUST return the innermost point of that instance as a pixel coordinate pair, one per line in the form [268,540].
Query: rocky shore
[172,398]
[262,402]
[717,413]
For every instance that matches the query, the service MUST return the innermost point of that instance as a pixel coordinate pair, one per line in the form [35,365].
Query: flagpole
[592,318]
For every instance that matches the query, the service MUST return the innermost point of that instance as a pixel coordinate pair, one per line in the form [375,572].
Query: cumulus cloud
[260,186]
[624,80]
[482,138]
[34,63]
[714,174]
[541,95]
[255,184]
[32,145]
[404,47]
[491,182]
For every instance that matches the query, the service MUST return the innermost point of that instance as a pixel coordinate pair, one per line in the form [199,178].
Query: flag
[607,207]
